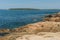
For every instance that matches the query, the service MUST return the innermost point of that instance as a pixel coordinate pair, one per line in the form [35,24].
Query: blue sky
[40,4]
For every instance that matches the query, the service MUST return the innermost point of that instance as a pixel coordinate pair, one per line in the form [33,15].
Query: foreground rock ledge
[37,31]
[47,26]
[41,36]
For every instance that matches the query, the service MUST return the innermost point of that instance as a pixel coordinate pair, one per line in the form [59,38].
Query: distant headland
[23,9]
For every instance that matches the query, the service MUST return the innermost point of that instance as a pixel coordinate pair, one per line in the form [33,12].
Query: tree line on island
[23,9]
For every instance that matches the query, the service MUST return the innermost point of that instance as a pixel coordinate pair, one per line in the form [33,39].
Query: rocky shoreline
[51,24]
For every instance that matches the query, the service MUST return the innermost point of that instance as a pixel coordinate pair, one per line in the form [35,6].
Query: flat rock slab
[46,36]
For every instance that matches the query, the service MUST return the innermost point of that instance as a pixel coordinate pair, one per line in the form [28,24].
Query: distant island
[23,9]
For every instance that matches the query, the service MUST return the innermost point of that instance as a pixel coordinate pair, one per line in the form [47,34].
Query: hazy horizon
[38,4]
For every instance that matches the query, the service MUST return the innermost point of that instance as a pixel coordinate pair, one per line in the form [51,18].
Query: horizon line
[30,8]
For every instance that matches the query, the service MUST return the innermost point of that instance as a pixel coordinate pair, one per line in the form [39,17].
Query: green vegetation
[23,9]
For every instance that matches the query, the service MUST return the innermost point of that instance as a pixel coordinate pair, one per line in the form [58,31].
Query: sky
[39,4]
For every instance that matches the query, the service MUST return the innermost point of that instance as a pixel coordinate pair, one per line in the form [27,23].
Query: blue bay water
[15,18]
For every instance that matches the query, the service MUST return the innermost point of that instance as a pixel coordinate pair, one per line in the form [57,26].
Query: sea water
[16,18]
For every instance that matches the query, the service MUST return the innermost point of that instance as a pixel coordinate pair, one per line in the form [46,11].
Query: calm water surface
[15,18]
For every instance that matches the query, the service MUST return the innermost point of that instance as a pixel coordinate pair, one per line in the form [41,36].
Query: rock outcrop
[40,27]
[53,17]
[4,30]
